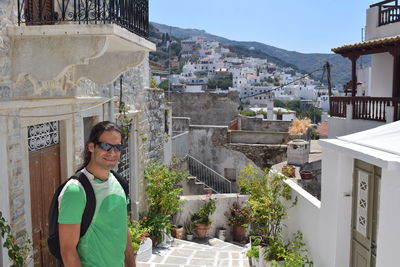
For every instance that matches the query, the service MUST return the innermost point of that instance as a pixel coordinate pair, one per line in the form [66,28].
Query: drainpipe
[111,103]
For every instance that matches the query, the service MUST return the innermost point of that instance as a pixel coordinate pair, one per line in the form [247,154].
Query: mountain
[308,62]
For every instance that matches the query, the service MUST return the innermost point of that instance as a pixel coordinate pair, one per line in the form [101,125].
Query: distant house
[379,103]
[356,222]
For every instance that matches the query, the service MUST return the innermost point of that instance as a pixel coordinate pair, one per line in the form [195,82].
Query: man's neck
[98,173]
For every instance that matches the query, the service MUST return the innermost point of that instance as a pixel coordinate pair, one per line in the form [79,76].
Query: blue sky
[307,26]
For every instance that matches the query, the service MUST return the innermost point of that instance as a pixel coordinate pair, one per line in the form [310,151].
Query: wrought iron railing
[389,12]
[365,108]
[208,176]
[132,15]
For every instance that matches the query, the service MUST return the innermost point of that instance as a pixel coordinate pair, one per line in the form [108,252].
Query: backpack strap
[90,207]
[122,182]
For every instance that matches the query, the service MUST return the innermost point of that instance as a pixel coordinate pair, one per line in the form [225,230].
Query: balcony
[381,109]
[97,40]
[132,15]
[388,12]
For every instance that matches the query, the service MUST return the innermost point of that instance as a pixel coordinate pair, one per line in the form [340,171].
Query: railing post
[389,114]
[349,110]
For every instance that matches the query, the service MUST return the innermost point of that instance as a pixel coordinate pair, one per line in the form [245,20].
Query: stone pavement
[212,252]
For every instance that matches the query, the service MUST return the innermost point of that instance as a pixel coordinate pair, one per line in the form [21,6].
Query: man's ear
[90,146]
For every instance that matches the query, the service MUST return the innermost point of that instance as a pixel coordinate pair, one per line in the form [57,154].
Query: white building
[355,223]
[381,104]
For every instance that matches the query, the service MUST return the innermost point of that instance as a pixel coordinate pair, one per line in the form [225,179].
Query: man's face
[105,160]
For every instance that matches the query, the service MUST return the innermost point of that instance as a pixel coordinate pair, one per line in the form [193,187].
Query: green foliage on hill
[222,83]
[302,111]
[248,113]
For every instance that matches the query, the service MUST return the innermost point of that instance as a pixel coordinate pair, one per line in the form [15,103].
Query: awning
[380,45]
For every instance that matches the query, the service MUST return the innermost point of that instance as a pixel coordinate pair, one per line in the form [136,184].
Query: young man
[107,241]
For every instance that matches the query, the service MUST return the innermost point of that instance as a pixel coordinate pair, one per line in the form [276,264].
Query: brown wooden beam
[353,59]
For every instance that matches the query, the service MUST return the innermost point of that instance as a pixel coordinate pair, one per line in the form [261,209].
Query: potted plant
[138,233]
[163,195]
[253,252]
[269,199]
[201,218]
[177,231]
[277,253]
[306,175]
[289,171]
[189,230]
[239,218]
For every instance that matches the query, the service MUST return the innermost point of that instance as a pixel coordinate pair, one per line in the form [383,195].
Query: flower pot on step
[177,232]
[306,175]
[239,233]
[202,230]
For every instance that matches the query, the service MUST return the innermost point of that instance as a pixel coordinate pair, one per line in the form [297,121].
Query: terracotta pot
[239,233]
[177,232]
[306,175]
[202,230]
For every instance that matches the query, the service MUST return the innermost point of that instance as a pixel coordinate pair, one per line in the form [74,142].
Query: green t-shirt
[105,240]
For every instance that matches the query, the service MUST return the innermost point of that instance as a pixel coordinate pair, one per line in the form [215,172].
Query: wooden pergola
[382,45]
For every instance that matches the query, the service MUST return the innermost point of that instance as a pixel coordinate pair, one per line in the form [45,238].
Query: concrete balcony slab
[99,52]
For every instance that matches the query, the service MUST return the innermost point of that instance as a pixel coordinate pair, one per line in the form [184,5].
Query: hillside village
[208,66]
[219,151]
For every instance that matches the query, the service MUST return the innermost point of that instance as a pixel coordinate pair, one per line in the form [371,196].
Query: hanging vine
[124,122]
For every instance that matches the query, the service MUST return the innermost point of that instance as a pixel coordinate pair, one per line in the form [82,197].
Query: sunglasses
[107,147]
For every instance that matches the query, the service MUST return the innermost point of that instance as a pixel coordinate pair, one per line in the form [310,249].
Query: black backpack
[53,241]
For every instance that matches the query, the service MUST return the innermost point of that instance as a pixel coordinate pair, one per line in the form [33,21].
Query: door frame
[374,176]
[66,157]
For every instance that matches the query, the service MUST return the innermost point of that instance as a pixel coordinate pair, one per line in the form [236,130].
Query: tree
[164,85]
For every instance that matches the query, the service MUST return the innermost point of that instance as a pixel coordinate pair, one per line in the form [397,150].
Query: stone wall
[180,124]
[210,145]
[264,156]
[206,108]
[149,121]
[259,124]
[256,137]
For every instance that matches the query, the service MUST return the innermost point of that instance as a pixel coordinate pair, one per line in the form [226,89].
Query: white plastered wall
[335,213]
[382,75]
[389,217]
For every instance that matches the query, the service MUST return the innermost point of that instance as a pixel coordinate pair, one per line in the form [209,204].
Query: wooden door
[366,183]
[44,167]
[39,12]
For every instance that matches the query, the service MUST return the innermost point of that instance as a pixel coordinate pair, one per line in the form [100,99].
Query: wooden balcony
[365,108]
[389,12]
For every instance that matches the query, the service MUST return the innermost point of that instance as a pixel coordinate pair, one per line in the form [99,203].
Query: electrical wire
[280,87]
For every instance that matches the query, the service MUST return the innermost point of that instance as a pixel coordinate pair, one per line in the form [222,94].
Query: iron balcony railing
[208,176]
[389,12]
[132,15]
[365,108]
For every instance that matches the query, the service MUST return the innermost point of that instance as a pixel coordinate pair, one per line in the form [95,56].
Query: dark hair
[94,136]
